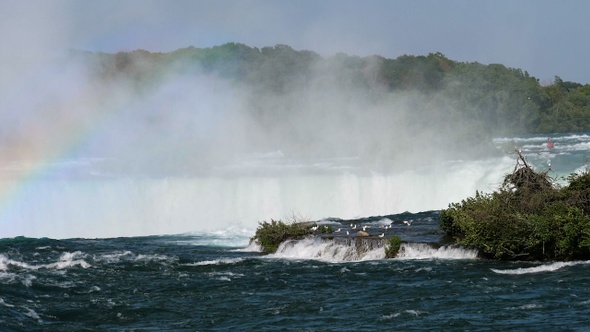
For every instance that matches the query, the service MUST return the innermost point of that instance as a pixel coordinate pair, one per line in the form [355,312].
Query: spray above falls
[143,143]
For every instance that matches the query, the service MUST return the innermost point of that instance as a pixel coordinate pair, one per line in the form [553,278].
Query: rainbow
[65,113]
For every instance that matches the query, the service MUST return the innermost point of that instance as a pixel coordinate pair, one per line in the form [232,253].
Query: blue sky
[545,38]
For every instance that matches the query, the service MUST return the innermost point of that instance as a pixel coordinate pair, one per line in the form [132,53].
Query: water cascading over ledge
[106,205]
[334,249]
[345,249]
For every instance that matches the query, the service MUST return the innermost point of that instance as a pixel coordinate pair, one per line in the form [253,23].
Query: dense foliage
[269,235]
[528,218]
[492,99]
[392,247]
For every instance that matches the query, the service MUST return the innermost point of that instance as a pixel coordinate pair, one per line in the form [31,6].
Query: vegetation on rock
[392,247]
[528,218]
[271,234]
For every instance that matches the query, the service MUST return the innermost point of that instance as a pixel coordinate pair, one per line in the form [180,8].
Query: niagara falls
[295,166]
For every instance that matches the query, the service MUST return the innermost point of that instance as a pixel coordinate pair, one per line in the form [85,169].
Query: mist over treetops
[308,105]
[509,98]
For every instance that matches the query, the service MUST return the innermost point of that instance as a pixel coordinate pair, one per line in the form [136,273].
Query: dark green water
[181,283]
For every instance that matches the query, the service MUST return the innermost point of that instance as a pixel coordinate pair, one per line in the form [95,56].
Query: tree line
[493,99]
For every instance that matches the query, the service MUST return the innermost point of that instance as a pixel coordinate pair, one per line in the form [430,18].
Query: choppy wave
[129,256]
[135,283]
[114,257]
[220,261]
[551,267]
[65,261]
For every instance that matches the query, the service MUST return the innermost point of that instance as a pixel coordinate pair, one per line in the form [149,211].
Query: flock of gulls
[355,227]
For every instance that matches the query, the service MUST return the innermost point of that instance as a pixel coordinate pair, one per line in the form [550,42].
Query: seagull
[382,235]
[347,233]
[365,228]
[314,228]
[337,231]
[407,222]
[354,227]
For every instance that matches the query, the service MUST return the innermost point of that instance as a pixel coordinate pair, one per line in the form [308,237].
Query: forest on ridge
[486,100]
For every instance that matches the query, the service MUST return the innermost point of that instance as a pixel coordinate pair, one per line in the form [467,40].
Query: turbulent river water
[204,283]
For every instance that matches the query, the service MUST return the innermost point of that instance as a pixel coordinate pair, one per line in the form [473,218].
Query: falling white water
[426,251]
[94,207]
[325,250]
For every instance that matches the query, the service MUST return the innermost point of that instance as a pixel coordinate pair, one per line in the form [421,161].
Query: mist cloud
[191,122]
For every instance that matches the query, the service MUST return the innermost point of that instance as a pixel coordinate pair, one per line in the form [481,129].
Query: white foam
[426,251]
[66,260]
[5,262]
[390,316]
[385,222]
[226,276]
[527,307]
[127,255]
[220,261]
[155,258]
[253,246]
[7,277]
[114,257]
[2,302]
[34,315]
[28,280]
[550,267]
[324,250]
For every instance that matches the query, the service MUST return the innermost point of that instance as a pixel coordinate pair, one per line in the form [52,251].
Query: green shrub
[270,235]
[526,219]
[325,229]
[393,246]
